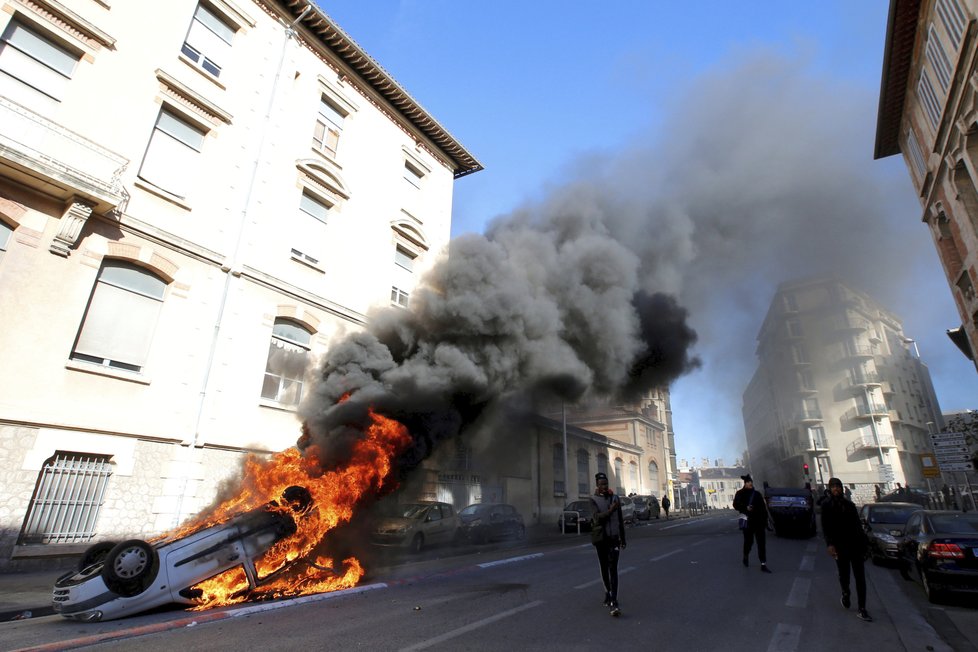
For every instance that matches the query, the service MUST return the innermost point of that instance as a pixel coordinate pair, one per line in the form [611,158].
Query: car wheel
[95,554]
[298,498]
[417,543]
[130,567]
[933,595]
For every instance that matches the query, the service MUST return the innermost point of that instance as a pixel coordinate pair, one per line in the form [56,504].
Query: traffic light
[806,470]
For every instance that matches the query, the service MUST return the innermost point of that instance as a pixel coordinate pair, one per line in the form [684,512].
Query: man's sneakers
[765,569]
[845,601]
[607,599]
[862,614]
[615,611]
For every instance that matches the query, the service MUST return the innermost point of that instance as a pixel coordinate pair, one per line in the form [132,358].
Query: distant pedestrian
[846,544]
[946,495]
[665,505]
[879,492]
[608,537]
[751,503]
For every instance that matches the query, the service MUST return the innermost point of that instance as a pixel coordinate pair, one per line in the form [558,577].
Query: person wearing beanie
[846,543]
[751,503]
[608,537]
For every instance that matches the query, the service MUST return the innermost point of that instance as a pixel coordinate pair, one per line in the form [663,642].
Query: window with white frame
[208,42]
[653,477]
[413,174]
[399,297]
[619,475]
[583,473]
[288,357]
[5,232]
[404,258]
[68,496]
[329,126]
[34,68]
[118,327]
[311,232]
[172,157]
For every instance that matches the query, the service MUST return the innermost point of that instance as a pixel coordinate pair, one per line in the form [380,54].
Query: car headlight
[885,538]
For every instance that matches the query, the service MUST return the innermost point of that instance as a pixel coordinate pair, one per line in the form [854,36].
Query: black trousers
[608,553]
[759,533]
[844,562]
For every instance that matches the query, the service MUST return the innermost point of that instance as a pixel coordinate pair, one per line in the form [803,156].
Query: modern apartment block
[196,198]
[928,111]
[839,387]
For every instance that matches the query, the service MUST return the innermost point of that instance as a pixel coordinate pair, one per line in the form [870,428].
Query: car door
[910,542]
[435,525]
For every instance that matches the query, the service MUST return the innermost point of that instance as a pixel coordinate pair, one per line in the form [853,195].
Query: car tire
[933,595]
[95,554]
[130,567]
[298,498]
[417,543]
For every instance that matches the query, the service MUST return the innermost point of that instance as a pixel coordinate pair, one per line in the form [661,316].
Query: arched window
[121,317]
[602,463]
[558,469]
[619,476]
[583,471]
[632,477]
[285,368]
[654,477]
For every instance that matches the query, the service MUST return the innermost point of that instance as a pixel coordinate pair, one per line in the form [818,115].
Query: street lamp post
[563,421]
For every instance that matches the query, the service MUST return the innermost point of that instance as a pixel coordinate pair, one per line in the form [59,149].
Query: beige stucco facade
[218,225]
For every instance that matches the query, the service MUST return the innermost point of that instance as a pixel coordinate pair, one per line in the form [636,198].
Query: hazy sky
[729,143]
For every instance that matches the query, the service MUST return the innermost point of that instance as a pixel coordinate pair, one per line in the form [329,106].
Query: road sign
[950,449]
[957,466]
[928,463]
[958,457]
[886,473]
[949,437]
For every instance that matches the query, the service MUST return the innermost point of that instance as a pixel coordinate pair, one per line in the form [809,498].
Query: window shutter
[169,164]
[119,325]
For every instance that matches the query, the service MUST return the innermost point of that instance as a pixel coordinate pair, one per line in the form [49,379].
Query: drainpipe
[233,270]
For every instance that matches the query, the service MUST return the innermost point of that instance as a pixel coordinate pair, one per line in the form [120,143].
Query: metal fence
[70,492]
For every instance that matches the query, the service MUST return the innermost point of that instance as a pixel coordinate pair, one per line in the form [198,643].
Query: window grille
[951,15]
[916,156]
[69,495]
[583,473]
[928,98]
[558,463]
[938,59]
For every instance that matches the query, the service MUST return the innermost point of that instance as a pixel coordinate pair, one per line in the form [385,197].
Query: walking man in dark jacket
[751,503]
[846,543]
[665,505]
[608,537]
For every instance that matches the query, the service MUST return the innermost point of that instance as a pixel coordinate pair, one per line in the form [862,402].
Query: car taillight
[945,551]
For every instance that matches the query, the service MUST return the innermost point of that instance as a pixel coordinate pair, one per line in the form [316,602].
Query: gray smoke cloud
[761,173]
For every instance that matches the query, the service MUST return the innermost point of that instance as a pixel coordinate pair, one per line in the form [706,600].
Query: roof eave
[901,27]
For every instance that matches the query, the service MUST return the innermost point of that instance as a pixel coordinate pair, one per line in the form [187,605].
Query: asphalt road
[682,588]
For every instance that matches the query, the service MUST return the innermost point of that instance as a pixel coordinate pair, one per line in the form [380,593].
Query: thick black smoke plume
[538,307]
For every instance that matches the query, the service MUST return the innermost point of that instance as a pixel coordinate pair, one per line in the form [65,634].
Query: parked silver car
[416,526]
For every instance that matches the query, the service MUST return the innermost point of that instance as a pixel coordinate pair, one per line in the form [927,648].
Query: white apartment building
[196,198]
[840,387]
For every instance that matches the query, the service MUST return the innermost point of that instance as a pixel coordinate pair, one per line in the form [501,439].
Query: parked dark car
[884,523]
[627,510]
[484,522]
[646,507]
[907,495]
[575,512]
[792,511]
[940,548]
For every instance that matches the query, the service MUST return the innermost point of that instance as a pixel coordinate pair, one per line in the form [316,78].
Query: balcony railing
[857,351]
[868,378]
[868,442]
[817,444]
[808,415]
[30,141]
[872,410]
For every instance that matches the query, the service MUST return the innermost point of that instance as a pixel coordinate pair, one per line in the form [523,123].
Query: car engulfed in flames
[261,544]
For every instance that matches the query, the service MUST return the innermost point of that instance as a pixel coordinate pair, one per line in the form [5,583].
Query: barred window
[66,502]
[558,469]
[916,156]
[583,473]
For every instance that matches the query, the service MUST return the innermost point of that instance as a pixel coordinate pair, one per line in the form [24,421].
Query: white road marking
[668,554]
[701,541]
[500,562]
[669,527]
[447,636]
[785,638]
[798,597]
[807,563]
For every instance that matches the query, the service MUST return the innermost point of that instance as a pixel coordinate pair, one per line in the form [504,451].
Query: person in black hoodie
[608,537]
[846,544]
[751,503]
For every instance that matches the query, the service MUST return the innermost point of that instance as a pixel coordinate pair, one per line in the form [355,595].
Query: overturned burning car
[116,580]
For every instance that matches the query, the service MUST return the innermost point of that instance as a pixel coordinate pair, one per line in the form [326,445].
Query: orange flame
[334,496]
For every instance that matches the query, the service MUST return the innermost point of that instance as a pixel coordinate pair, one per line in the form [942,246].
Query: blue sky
[544,93]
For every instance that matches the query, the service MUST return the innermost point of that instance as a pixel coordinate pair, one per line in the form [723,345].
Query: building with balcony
[193,204]
[838,387]
[928,111]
